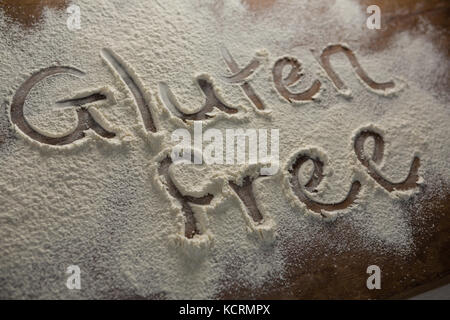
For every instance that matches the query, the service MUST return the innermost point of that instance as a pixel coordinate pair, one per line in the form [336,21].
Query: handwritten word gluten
[238,77]
[290,67]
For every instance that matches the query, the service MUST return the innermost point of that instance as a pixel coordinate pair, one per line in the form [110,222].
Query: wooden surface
[338,275]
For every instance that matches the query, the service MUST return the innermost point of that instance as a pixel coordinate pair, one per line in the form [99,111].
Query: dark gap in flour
[132,84]
[325,62]
[191,228]
[316,176]
[315,180]
[245,193]
[211,101]
[85,119]
[295,73]
[410,181]
[83,100]
[244,73]
[246,87]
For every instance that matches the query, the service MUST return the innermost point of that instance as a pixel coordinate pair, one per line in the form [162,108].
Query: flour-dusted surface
[97,203]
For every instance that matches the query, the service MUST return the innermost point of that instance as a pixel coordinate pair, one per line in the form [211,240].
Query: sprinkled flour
[97,203]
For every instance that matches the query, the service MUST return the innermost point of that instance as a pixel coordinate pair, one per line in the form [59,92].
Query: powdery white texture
[97,203]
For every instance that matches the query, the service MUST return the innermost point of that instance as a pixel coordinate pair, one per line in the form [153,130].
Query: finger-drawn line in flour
[242,74]
[190,223]
[409,182]
[295,73]
[85,119]
[314,181]
[246,87]
[211,101]
[120,66]
[245,193]
[82,100]
[326,64]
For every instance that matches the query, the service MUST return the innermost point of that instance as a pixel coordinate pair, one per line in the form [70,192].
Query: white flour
[97,203]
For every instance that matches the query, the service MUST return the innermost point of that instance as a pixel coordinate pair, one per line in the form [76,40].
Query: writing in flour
[141,225]
[282,84]
[286,72]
